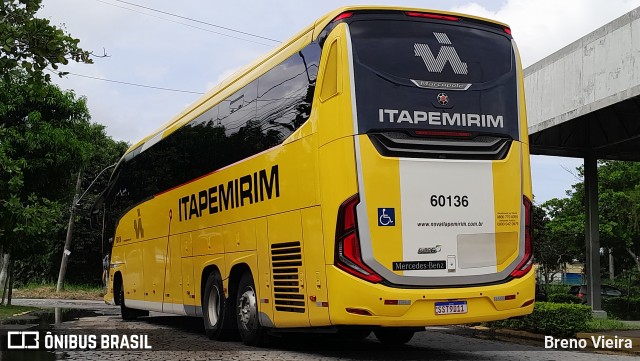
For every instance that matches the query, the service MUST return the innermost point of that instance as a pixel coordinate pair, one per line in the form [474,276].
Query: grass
[70,292]
[598,324]
[8,311]
[556,288]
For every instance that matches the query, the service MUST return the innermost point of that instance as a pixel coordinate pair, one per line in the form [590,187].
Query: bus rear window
[448,53]
[416,74]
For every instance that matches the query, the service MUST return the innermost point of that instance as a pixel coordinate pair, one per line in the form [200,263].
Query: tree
[557,229]
[103,155]
[619,205]
[33,44]
[619,214]
[44,141]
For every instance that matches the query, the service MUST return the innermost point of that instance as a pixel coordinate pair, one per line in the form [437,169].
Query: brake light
[527,262]
[443,133]
[507,30]
[432,16]
[347,254]
[345,15]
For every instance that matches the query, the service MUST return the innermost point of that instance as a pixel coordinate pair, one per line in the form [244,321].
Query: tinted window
[610,291]
[257,117]
[285,92]
[430,75]
[429,51]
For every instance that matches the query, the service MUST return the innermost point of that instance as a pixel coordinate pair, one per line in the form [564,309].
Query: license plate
[447,308]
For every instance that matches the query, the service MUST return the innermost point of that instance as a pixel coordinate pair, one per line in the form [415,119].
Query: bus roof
[219,92]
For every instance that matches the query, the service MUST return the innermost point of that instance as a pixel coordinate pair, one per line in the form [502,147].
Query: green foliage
[604,324]
[85,264]
[553,289]
[553,319]
[44,141]
[41,144]
[564,298]
[624,308]
[619,206]
[557,225]
[627,281]
[32,44]
[8,311]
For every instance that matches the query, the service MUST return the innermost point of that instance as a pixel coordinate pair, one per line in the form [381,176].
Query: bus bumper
[358,302]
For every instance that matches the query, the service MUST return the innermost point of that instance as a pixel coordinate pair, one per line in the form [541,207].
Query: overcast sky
[155,49]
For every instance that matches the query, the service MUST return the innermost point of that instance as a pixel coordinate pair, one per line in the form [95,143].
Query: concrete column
[591,232]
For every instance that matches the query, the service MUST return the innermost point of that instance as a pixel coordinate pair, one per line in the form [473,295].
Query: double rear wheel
[251,331]
[218,321]
[225,319]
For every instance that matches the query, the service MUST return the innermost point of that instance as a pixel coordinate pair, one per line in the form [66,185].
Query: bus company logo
[443,98]
[446,54]
[137,226]
[429,250]
[248,189]
[23,340]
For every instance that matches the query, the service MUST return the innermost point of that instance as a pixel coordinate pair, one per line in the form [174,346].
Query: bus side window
[285,92]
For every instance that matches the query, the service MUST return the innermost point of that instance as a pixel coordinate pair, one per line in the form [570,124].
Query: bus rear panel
[435,229]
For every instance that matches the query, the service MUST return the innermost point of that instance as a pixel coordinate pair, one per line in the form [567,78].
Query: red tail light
[527,262]
[347,255]
[507,30]
[432,16]
[345,15]
[443,133]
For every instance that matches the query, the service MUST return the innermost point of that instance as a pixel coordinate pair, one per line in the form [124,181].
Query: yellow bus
[371,174]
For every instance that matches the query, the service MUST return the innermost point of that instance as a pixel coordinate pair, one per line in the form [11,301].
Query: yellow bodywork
[164,255]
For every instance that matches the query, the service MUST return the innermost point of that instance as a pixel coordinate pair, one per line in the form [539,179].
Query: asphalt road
[182,338]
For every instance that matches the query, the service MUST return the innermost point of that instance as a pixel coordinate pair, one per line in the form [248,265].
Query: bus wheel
[394,336]
[214,310]
[128,314]
[251,332]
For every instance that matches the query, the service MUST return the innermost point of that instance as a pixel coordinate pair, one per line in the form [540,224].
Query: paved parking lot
[183,338]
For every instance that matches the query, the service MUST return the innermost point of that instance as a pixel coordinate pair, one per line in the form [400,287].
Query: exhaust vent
[286,262]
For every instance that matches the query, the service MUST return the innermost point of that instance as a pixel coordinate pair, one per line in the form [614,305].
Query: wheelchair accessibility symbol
[386,217]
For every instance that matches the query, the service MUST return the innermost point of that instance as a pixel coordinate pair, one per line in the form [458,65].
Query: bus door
[172,298]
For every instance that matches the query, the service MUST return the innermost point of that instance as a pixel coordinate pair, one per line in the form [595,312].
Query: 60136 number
[441,200]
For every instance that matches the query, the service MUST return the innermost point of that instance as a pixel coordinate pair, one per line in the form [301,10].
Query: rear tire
[216,315]
[249,327]
[394,336]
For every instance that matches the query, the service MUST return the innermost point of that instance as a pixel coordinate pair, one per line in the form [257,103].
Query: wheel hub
[213,306]
[247,309]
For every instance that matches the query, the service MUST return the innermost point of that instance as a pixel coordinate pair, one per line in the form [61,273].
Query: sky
[140,46]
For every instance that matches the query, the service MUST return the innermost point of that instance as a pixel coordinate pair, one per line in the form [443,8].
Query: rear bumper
[483,302]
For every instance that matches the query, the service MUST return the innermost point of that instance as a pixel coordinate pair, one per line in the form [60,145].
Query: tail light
[525,265]
[347,255]
[432,16]
[443,133]
[342,16]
